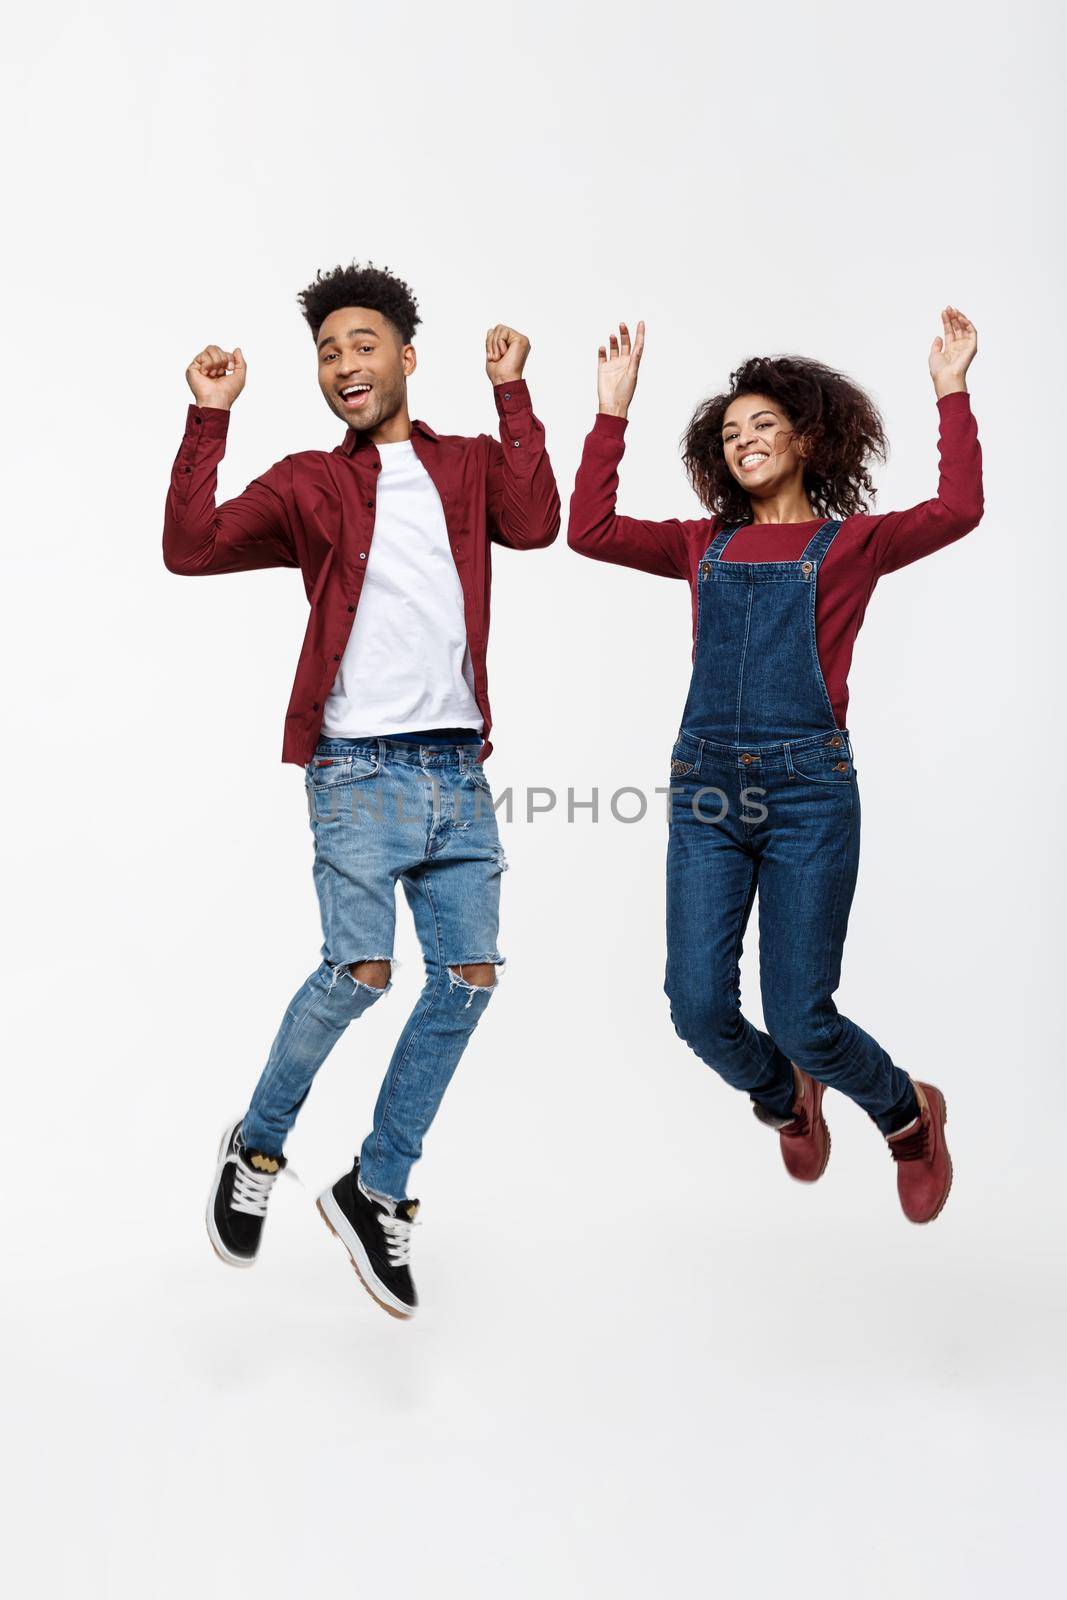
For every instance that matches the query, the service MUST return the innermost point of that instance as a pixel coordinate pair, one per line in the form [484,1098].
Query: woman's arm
[593,528]
[901,537]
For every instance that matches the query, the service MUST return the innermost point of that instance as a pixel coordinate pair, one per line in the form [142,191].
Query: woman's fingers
[621,346]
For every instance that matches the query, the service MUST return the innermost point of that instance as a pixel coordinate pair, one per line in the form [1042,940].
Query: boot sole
[335,1221]
[925,1221]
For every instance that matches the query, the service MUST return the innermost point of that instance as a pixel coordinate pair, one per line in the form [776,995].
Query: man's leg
[455,904]
[454,896]
[355,878]
[317,1016]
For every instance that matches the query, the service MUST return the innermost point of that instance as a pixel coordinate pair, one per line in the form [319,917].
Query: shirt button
[337,658]
[363,555]
[370,504]
[516,442]
[198,421]
[506,395]
[187,469]
[314,705]
[351,608]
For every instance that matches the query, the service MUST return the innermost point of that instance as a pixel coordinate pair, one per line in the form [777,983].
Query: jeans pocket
[333,772]
[683,760]
[823,764]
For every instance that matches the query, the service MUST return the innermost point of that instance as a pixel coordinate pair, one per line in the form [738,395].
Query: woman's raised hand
[952,352]
[616,377]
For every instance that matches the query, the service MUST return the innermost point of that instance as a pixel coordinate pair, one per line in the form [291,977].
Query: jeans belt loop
[788,759]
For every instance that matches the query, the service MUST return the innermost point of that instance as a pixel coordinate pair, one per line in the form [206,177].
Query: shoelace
[251,1190]
[397,1232]
[913,1146]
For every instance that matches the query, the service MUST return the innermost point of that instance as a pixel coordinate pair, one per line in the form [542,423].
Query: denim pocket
[823,763]
[682,762]
[331,772]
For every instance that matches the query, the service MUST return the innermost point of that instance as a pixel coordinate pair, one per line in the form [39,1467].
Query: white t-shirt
[407,665]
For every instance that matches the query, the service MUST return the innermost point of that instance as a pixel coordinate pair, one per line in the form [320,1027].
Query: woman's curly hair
[370,286]
[838,427]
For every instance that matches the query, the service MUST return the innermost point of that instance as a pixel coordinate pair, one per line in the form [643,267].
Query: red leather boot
[924,1166]
[805,1139]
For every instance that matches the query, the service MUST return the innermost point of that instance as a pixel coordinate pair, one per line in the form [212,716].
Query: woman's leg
[809,857]
[711,884]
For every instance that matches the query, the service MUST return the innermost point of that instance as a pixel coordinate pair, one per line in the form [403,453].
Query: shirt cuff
[211,420]
[959,401]
[512,396]
[611,427]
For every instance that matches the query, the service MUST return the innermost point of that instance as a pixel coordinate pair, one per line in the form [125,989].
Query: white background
[647,1363]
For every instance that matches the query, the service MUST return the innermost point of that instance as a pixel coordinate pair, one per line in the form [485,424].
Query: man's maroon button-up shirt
[315,510]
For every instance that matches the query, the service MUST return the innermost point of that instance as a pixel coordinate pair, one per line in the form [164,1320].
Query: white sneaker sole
[342,1229]
[212,1232]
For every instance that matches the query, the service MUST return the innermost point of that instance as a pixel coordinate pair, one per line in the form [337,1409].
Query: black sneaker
[377,1235]
[237,1205]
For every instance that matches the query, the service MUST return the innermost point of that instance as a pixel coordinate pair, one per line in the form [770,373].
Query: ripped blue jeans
[383,811]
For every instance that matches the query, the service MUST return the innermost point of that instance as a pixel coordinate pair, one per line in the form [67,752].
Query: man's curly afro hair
[371,286]
[838,429]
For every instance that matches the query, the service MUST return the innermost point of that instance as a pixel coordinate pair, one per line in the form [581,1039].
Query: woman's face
[760,445]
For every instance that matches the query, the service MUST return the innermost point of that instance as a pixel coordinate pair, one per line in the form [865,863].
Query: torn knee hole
[375,974]
[475,974]
[476,977]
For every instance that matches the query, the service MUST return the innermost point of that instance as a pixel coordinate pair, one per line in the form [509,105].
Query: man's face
[363,367]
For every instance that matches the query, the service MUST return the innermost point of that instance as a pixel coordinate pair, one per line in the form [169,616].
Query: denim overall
[763,793]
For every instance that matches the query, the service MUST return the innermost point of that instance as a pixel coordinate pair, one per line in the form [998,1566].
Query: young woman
[763,789]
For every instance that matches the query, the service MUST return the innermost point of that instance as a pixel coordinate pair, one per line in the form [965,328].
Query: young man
[389,717]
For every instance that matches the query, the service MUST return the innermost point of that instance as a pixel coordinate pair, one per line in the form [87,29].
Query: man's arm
[242,534]
[522,500]
[245,533]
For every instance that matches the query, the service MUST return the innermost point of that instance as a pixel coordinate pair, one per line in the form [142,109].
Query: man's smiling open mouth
[354,395]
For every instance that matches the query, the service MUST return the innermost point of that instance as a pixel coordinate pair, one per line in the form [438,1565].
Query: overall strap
[721,540]
[820,541]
